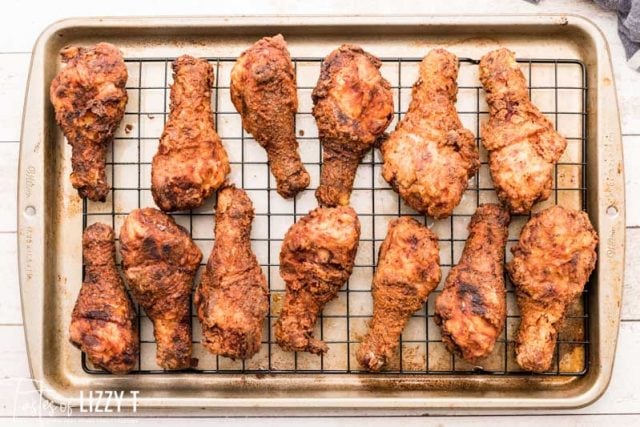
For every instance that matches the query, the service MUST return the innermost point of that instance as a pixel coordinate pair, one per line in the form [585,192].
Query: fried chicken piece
[263,90]
[103,322]
[233,298]
[316,259]
[522,143]
[408,270]
[89,98]
[191,162]
[472,308]
[551,264]
[160,261]
[430,157]
[352,105]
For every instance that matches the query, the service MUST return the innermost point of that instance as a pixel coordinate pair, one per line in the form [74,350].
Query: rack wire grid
[557,86]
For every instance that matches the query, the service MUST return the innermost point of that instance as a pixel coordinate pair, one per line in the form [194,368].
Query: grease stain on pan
[73,206]
[478,42]
[276,303]
[572,359]
[62,280]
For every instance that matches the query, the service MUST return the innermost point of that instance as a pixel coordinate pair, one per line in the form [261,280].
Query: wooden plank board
[631,148]
[14,70]
[9,153]
[631,297]
[24,23]
[10,311]
[14,370]
[523,421]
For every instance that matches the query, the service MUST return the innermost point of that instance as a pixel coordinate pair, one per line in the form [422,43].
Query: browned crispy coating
[191,162]
[89,98]
[522,143]
[263,90]
[551,264]
[233,299]
[316,259]
[353,106]
[408,270]
[103,320]
[472,308]
[160,261]
[430,157]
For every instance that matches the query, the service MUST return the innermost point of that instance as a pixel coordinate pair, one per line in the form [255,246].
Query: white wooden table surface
[21,22]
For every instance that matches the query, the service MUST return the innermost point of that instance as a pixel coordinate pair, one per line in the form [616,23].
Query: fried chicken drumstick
[353,106]
[103,322]
[551,264]
[191,162]
[263,90]
[233,299]
[472,308]
[522,143]
[408,270]
[316,259]
[430,157]
[160,261]
[89,98]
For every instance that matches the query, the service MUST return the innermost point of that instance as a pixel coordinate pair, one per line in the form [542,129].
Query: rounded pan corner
[52,392]
[595,392]
[54,28]
[584,23]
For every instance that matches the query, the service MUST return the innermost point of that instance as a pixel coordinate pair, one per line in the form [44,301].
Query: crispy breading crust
[233,297]
[191,162]
[472,308]
[408,270]
[551,264]
[522,143]
[263,90]
[316,259]
[352,105]
[430,157]
[160,261]
[103,322]
[89,98]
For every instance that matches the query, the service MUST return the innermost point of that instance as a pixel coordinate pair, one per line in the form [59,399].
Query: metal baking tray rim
[608,216]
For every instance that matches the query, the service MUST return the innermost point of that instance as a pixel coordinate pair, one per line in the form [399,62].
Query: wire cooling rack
[557,86]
